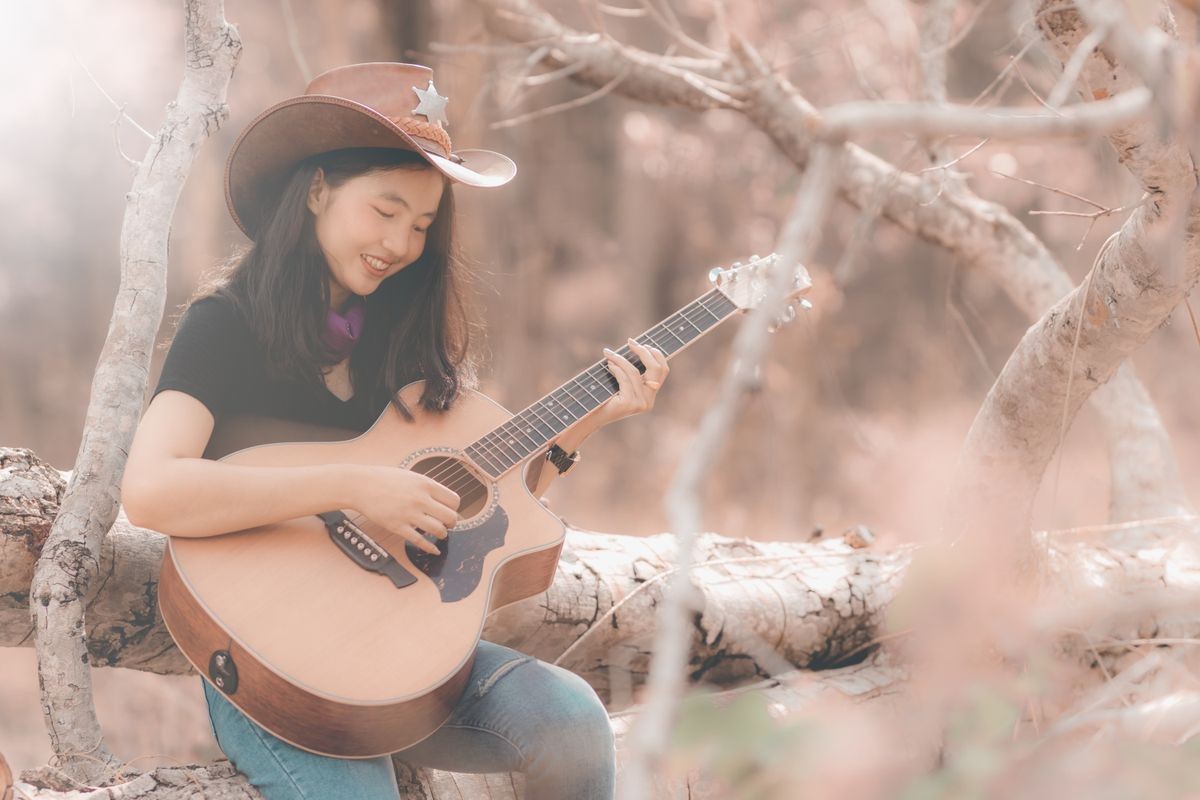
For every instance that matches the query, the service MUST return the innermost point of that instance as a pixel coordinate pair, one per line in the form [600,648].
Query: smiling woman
[350,292]
[361,222]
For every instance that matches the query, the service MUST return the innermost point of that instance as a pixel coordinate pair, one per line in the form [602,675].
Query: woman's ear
[318,191]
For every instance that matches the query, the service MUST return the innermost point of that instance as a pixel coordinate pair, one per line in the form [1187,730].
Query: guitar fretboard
[534,428]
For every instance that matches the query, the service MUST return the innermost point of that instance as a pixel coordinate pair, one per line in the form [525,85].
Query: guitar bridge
[363,550]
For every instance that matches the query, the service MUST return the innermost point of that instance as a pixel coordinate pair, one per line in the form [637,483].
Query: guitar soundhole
[458,476]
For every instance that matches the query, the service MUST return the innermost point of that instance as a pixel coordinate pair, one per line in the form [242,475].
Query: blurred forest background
[618,211]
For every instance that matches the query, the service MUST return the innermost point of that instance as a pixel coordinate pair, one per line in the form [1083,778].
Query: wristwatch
[561,459]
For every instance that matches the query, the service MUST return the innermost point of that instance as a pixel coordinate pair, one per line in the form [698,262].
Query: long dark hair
[417,324]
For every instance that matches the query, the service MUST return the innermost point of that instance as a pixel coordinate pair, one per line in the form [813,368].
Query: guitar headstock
[747,285]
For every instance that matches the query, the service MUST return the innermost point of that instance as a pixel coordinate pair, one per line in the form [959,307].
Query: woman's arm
[635,395]
[169,488]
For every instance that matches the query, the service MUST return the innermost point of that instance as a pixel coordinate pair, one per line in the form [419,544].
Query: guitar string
[455,476]
[490,451]
[463,478]
[517,425]
[491,445]
[488,443]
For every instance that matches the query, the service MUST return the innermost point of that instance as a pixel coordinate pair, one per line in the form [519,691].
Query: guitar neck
[530,431]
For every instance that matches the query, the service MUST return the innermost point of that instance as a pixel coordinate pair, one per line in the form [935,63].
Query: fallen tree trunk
[873,680]
[768,606]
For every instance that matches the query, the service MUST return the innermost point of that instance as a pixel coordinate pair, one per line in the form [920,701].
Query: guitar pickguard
[458,567]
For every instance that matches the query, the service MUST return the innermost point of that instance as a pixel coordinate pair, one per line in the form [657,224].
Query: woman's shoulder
[214,316]
[216,307]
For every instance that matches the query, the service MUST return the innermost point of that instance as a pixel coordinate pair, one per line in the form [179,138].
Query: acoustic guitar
[343,638]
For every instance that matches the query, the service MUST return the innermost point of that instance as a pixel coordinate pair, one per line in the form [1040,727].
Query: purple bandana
[343,330]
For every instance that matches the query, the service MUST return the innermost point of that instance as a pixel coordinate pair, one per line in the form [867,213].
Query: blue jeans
[517,714]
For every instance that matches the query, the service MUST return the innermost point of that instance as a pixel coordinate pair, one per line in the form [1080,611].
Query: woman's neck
[340,299]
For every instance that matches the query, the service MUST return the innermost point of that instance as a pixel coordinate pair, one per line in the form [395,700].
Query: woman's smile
[376,266]
[388,212]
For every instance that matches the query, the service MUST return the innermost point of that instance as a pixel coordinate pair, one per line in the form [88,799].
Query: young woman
[350,291]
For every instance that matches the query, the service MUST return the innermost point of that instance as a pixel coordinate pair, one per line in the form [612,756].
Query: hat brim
[299,127]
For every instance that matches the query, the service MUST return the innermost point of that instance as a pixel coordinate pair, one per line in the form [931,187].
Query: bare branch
[1083,51]
[666,681]
[560,107]
[70,558]
[921,119]
[667,20]
[957,159]
[935,33]
[293,34]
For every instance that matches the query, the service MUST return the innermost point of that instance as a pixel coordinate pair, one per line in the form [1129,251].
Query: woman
[350,291]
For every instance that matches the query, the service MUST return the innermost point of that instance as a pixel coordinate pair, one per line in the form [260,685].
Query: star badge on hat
[356,105]
[432,105]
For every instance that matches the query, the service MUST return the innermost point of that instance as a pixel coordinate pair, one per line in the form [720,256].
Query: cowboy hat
[379,104]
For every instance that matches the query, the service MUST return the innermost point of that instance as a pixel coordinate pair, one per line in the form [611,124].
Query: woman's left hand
[636,391]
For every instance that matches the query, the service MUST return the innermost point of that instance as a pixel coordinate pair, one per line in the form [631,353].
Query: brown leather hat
[380,104]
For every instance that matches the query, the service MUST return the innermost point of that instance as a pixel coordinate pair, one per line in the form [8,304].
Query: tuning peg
[754,258]
[807,306]
[735,271]
[715,274]
[789,314]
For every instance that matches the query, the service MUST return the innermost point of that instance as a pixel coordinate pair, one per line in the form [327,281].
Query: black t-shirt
[216,358]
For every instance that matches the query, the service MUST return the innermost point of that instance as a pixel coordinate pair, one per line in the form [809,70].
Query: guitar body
[335,658]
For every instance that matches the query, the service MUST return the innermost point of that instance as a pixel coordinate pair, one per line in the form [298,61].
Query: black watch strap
[561,459]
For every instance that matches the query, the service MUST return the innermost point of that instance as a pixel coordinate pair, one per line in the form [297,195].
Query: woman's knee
[573,715]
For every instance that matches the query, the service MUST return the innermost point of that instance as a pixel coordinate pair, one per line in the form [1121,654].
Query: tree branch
[70,558]
[1080,343]
[981,234]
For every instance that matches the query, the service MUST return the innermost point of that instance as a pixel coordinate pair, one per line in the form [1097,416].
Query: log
[767,606]
[874,680]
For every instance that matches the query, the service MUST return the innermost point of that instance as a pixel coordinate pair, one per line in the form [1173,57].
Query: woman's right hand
[402,501]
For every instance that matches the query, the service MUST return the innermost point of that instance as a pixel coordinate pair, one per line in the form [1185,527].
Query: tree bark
[766,604]
[1081,342]
[68,559]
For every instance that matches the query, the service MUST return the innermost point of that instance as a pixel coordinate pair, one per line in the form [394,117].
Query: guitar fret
[669,333]
[503,445]
[583,386]
[556,424]
[538,424]
[529,431]
[531,425]
[513,432]
[567,391]
[581,401]
[716,317]
[682,329]
[483,458]
[534,408]
[566,416]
